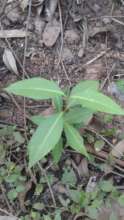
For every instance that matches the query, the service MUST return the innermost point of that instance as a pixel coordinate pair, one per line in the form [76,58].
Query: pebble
[67,55]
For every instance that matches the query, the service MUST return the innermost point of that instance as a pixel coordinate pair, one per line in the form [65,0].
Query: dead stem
[24,63]
[62,37]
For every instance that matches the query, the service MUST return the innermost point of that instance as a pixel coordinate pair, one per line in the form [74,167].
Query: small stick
[97,57]
[118,21]
[62,37]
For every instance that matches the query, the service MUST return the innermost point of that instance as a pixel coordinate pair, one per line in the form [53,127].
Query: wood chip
[51,33]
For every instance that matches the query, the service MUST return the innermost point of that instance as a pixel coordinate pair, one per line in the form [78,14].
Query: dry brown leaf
[22,195]
[15,33]
[9,61]
[51,33]
[83,168]
[118,150]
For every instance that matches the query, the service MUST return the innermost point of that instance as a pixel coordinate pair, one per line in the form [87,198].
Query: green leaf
[39,189]
[18,137]
[20,188]
[113,216]
[75,195]
[92,212]
[12,178]
[47,217]
[96,101]
[74,139]
[57,151]
[58,215]
[78,115]
[69,177]
[37,119]
[58,102]
[45,138]
[106,186]
[35,88]
[121,200]
[99,144]
[12,194]
[84,85]
[38,206]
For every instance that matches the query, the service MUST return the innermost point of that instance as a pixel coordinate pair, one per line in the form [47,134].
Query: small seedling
[71,110]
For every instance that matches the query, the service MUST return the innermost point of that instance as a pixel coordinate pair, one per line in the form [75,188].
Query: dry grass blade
[8,218]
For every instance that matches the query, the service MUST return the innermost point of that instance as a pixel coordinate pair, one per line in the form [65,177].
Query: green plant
[71,110]
[10,175]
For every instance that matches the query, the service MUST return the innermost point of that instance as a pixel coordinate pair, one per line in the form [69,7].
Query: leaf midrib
[40,89]
[89,100]
[53,126]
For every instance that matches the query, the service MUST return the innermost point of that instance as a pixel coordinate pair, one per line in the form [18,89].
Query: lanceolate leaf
[38,119]
[57,151]
[74,139]
[35,88]
[45,138]
[78,115]
[86,84]
[96,101]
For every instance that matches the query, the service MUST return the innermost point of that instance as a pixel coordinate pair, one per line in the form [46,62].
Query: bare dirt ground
[78,40]
[87,44]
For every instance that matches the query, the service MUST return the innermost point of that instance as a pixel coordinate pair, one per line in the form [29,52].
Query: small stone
[51,33]
[67,55]
[81,52]
[71,36]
